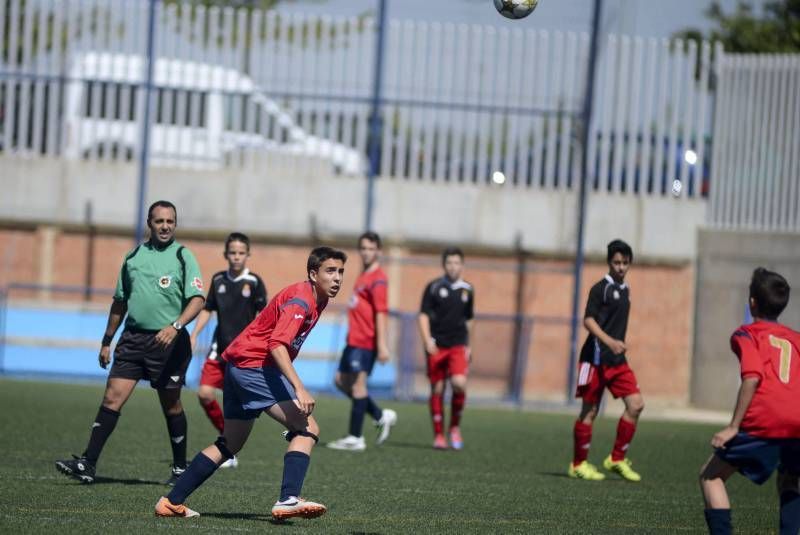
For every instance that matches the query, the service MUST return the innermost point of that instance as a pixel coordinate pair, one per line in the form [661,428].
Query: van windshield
[118,101]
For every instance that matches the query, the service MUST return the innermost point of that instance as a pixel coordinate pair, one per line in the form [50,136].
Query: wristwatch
[177,325]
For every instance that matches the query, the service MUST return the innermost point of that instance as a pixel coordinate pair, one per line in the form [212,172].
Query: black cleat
[176,473]
[78,468]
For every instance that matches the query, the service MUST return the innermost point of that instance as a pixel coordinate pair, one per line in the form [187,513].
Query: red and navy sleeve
[746,350]
[291,318]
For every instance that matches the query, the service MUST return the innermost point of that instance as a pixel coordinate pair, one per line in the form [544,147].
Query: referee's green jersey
[157,284]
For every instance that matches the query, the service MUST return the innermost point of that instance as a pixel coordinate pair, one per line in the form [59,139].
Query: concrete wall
[289,197]
[725,263]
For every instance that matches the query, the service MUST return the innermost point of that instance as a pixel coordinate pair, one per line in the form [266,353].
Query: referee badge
[165,281]
[246,290]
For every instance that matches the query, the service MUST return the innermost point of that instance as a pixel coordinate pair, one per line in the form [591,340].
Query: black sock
[177,426]
[373,410]
[295,466]
[719,521]
[790,513]
[357,416]
[201,469]
[103,426]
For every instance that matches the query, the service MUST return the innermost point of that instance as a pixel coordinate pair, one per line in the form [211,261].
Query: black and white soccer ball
[515,9]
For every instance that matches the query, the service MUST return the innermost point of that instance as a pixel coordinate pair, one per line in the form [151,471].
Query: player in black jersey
[237,296]
[603,365]
[445,320]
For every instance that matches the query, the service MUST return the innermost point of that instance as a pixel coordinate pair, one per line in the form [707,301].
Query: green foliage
[510,478]
[777,30]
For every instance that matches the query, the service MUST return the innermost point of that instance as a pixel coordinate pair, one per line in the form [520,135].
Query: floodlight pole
[144,148]
[375,122]
[586,122]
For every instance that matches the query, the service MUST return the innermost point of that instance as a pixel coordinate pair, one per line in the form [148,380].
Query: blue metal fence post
[144,149]
[586,120]
[376,124]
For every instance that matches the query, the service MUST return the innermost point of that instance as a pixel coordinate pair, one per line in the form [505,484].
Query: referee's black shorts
[138,356]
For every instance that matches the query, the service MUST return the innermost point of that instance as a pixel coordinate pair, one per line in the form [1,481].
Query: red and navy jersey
[368,299]
[768,351]
[236,302]
[287,320]
[449,305]
[609,304]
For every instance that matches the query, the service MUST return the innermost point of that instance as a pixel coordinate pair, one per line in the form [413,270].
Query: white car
[201,114]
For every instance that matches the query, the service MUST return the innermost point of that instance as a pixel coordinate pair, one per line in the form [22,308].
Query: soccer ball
[515,9]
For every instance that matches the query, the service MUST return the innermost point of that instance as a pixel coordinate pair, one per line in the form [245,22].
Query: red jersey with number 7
[770,352]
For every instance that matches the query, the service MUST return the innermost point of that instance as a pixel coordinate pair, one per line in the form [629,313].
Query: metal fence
[460,102]
[757,132]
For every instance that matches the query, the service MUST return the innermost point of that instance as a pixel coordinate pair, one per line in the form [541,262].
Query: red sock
[625,431]
[214,414]
[582,438]
[436,403]
[456,406]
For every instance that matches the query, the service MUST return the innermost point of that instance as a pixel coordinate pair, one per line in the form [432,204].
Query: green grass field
[510,478]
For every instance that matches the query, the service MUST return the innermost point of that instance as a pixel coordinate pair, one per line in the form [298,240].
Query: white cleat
[297,507]
[348,443]
[233,462]
[384,425]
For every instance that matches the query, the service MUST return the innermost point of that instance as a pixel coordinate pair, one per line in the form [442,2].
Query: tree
[777,30]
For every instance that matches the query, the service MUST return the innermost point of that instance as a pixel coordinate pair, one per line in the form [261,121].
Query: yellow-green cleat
[585,471]
[623,468]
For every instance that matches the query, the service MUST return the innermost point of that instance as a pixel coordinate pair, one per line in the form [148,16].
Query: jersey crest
[246,290]
[443,292]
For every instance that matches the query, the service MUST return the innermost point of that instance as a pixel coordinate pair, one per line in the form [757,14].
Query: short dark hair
[161,204]
[237,236]
[619,246]
[321,254]
[770,291]
[370,236]
[452,251]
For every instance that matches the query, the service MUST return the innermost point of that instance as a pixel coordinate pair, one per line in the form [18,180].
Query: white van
[202,114]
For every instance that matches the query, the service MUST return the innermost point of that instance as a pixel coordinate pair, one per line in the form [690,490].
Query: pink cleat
[439,442]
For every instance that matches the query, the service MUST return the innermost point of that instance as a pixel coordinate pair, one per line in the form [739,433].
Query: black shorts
[137,356]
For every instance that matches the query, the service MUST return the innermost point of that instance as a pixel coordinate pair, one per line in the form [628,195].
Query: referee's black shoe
[78,468]
[176,473]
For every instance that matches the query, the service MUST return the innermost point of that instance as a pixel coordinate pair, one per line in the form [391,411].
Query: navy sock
[177,427]
[719,521]
[357,416]
[201,469]
[295,466]
[103,426]
[790,513]
[373,410]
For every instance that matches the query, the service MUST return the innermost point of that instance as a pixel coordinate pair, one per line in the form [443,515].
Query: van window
[117,101]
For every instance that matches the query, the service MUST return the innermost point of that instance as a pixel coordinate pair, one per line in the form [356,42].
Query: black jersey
[609,304]
[236,301]
[449,305]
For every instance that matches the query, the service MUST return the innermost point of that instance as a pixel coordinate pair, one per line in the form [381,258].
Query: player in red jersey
[764,432]
[367,319]
[260,377]
[236,295]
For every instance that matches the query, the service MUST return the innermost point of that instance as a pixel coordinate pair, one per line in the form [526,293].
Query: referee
[161,290]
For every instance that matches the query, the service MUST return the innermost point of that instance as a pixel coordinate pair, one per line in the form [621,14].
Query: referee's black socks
[103,426]
[177,426]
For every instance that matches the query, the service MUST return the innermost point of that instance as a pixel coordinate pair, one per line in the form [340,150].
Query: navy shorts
[756,458]
[356,359]
[250,391]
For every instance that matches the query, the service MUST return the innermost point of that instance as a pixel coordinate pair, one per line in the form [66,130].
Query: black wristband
[107,339]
